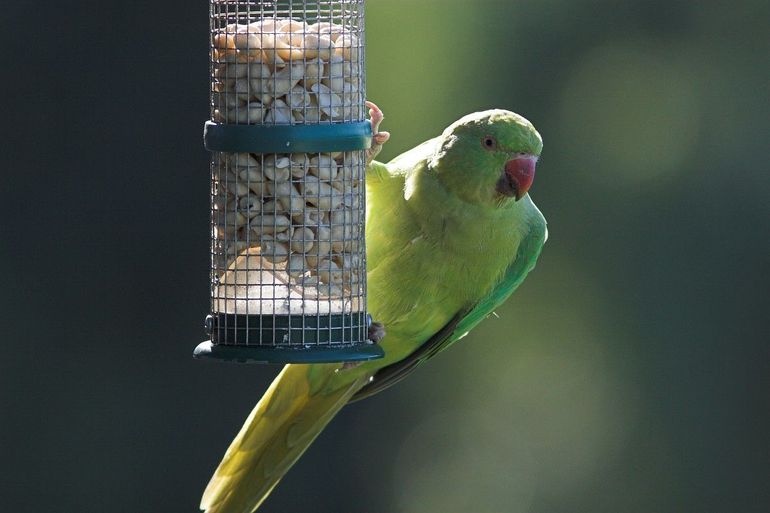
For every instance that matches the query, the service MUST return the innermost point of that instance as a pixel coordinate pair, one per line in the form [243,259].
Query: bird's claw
[376,332]
[378,138]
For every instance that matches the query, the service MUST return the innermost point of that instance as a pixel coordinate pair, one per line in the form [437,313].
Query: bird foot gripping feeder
[288,136]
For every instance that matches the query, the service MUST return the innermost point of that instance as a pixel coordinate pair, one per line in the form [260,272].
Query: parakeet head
[488,157]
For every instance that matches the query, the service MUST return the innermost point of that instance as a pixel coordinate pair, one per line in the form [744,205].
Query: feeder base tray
[265,354]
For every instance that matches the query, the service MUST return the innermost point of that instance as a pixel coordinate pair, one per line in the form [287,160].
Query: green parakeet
[450,232]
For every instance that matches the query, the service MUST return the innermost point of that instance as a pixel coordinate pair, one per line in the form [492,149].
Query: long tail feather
[299,403]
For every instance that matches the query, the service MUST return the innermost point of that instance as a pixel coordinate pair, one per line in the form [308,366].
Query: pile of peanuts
[285,71]
[304,212]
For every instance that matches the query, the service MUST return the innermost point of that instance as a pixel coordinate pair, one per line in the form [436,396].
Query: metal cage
[288,136]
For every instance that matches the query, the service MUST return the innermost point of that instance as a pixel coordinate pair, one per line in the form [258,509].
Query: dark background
[628,374]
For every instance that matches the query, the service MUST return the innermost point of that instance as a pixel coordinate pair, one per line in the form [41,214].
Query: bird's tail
[293,411]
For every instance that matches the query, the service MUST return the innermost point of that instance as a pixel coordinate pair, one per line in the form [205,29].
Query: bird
[451,232]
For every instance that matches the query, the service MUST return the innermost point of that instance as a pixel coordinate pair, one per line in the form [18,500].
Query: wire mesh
[287,229]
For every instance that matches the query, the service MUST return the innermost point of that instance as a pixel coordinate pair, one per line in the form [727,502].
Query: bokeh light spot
[450,464]
[632,112]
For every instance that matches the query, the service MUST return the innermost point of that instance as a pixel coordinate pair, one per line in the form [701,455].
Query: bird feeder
[288,136]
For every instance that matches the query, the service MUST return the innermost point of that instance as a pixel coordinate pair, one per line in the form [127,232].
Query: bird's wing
[464,321]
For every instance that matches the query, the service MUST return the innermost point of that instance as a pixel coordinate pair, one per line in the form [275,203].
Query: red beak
[521,172]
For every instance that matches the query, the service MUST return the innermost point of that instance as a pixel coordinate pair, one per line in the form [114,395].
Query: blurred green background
[628,374]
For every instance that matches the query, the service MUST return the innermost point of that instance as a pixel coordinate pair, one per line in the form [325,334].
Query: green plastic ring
[287,138]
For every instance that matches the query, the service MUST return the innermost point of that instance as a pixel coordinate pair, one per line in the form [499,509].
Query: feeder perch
[288,136]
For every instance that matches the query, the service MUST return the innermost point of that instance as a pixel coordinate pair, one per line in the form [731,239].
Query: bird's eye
[489,142]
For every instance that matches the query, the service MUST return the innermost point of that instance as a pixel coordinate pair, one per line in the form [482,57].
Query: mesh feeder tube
[288,136]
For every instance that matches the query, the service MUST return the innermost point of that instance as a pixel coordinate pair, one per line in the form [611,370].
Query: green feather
[463,322]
